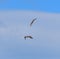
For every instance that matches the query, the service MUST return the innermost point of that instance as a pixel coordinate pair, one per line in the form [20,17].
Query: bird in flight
[28,37]
[32,21]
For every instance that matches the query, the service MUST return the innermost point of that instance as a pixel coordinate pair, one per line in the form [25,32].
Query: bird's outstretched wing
[28,37]
[32,21]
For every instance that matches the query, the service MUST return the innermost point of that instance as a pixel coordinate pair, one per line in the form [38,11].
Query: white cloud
[17,24]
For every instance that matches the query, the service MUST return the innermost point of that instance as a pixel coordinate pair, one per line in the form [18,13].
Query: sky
[37,5]
[15,17]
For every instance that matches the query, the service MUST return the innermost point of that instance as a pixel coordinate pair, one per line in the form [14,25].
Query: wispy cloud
[18,22]
[46,30]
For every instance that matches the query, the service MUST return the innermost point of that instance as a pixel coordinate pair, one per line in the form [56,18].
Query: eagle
[32,21]
[28,37]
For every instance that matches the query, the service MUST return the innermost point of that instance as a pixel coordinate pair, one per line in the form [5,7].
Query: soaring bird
[32,21]
[28,37]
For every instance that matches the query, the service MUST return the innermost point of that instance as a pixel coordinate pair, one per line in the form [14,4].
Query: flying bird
[28,37]
[32,21]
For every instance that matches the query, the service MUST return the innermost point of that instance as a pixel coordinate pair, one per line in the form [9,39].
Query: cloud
[17,22]
[45,29]
[14,25]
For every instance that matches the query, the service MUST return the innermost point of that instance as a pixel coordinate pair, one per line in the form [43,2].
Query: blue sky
[37,5]
[15,17]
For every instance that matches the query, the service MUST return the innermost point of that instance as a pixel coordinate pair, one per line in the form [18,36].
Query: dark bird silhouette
[32,21]
[28,37]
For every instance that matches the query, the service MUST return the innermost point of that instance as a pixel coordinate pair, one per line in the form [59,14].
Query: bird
[28,37]
[32,21]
